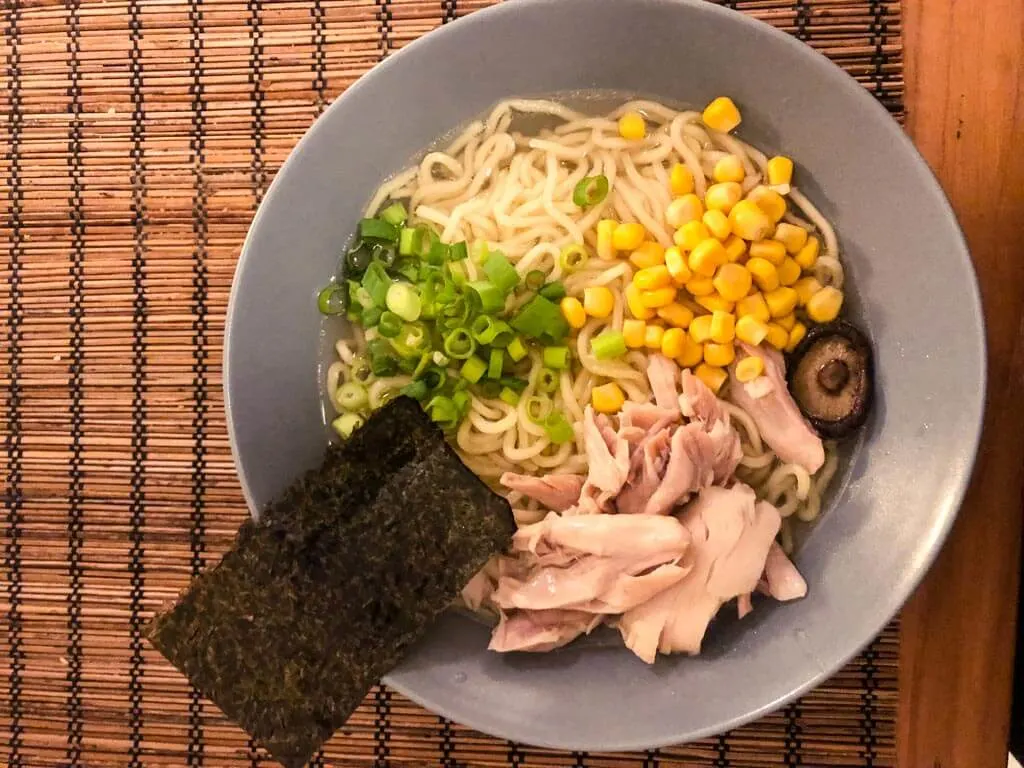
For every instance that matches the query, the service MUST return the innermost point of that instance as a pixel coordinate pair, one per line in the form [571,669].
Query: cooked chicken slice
[540,630]
[784,580]
[557,492]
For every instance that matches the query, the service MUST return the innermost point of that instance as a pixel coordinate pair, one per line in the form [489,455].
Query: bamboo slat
[138,139]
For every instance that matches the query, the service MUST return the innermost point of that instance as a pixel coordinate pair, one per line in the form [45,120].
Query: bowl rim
[494,14]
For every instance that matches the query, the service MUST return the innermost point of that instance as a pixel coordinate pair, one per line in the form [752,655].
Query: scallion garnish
[555,290]
[558,429]
[390,325]
[378,230]
[490,297]
[409,241]
[556,357]
[608,345]
[573,257]
[459,344]
[590,191]
[509,396]
[541,319]
[415,389]
[376,281]
[458,251]
[333,300]
[535,278]
[347,423]
[495,364]
[473,370]
[538,408]
[500,272]
[395,214]
[516,349]
[404,301]
[547,381]
[351,396]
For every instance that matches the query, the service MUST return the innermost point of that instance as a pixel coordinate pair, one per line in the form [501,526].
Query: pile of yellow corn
[736,271]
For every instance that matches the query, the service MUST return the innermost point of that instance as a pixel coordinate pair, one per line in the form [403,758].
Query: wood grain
[965,104]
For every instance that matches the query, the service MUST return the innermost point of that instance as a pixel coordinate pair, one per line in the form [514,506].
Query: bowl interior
[913,289]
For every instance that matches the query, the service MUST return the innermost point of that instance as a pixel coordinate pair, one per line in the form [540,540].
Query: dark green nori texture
[313,604]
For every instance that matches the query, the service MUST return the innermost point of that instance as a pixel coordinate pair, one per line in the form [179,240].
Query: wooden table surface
[965,102]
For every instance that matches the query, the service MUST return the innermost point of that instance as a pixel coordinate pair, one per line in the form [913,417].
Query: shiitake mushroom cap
[831,378]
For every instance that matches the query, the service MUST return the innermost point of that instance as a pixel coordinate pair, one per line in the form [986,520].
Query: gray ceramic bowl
[914,290]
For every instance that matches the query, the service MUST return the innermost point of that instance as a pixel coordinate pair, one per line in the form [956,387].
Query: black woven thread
[200,354]
[868,704]
[793,755]
[75,485]
[319,56]
[12,492]
[722,745]
[447,743]
[878,30]
[384,19]
[652,758]
[381,726]
[515,755]
[449,11]
[579,760]
[259,172]
[138,441]
[803,20]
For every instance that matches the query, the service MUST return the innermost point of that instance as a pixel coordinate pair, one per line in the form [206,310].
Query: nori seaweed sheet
[340,577]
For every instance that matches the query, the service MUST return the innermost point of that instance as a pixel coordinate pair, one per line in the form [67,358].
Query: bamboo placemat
[138,139]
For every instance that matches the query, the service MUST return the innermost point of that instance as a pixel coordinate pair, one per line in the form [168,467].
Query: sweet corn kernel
[673,343]
[789,271]
[751,330]
[715,303]
[723,329]
[796,335]
[653,335]
[719,354]
[632,126]
[769,201]
[649,254]
[824,306]
[791,236]
[807,256]
[605,237]
[652,278]
[781,301]
[787,321]
[707,256]
[712,376]
[780,170]
[777,336]
[806,287]
[732,281]
[735,248]
[677,267]
[573,312]
[749,222]
[717,223]
[680,180]
[691,234]
[754,306]
[676,314]
[700,286]
[607,398]
[721,115]
[764,273]
[723,196]
[749,368]
[636,306]
[684,209]
[634,332]
[772,250]
[700,329]
[659,297]
[729,168]
[692,354]
[628,236]
[598,301]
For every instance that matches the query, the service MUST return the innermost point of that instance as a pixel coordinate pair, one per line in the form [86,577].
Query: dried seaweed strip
[293,626]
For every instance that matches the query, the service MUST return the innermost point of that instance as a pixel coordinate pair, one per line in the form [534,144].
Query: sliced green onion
[547,381]
[590,191]
[509,396]
[358,295]
[495,364]
[434,378]
[376,282]
[458,272]
[370,316]
[555,291]
[558,429]
[385,254]
[556,357]
[516,349]
[489,389]
[395,214]
[414,336]
[390,325]
[473,370]
[407,268]
[573,257]
[440,358]
[347,423]
[458,251]
[382,358]
[359,369]
[541,319]
[479,251]
[459,344]
[409,241]
[499,270]
[516,385]
[491,298]
[422,365]
[351,396]
[461,398]
[417,390]
[378,230]
[438,253]
[538,408]
[358,259]
[404,301]
[382,397]
[333,300]
[487,330]
[608,345]
[443,410]
[535,278]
